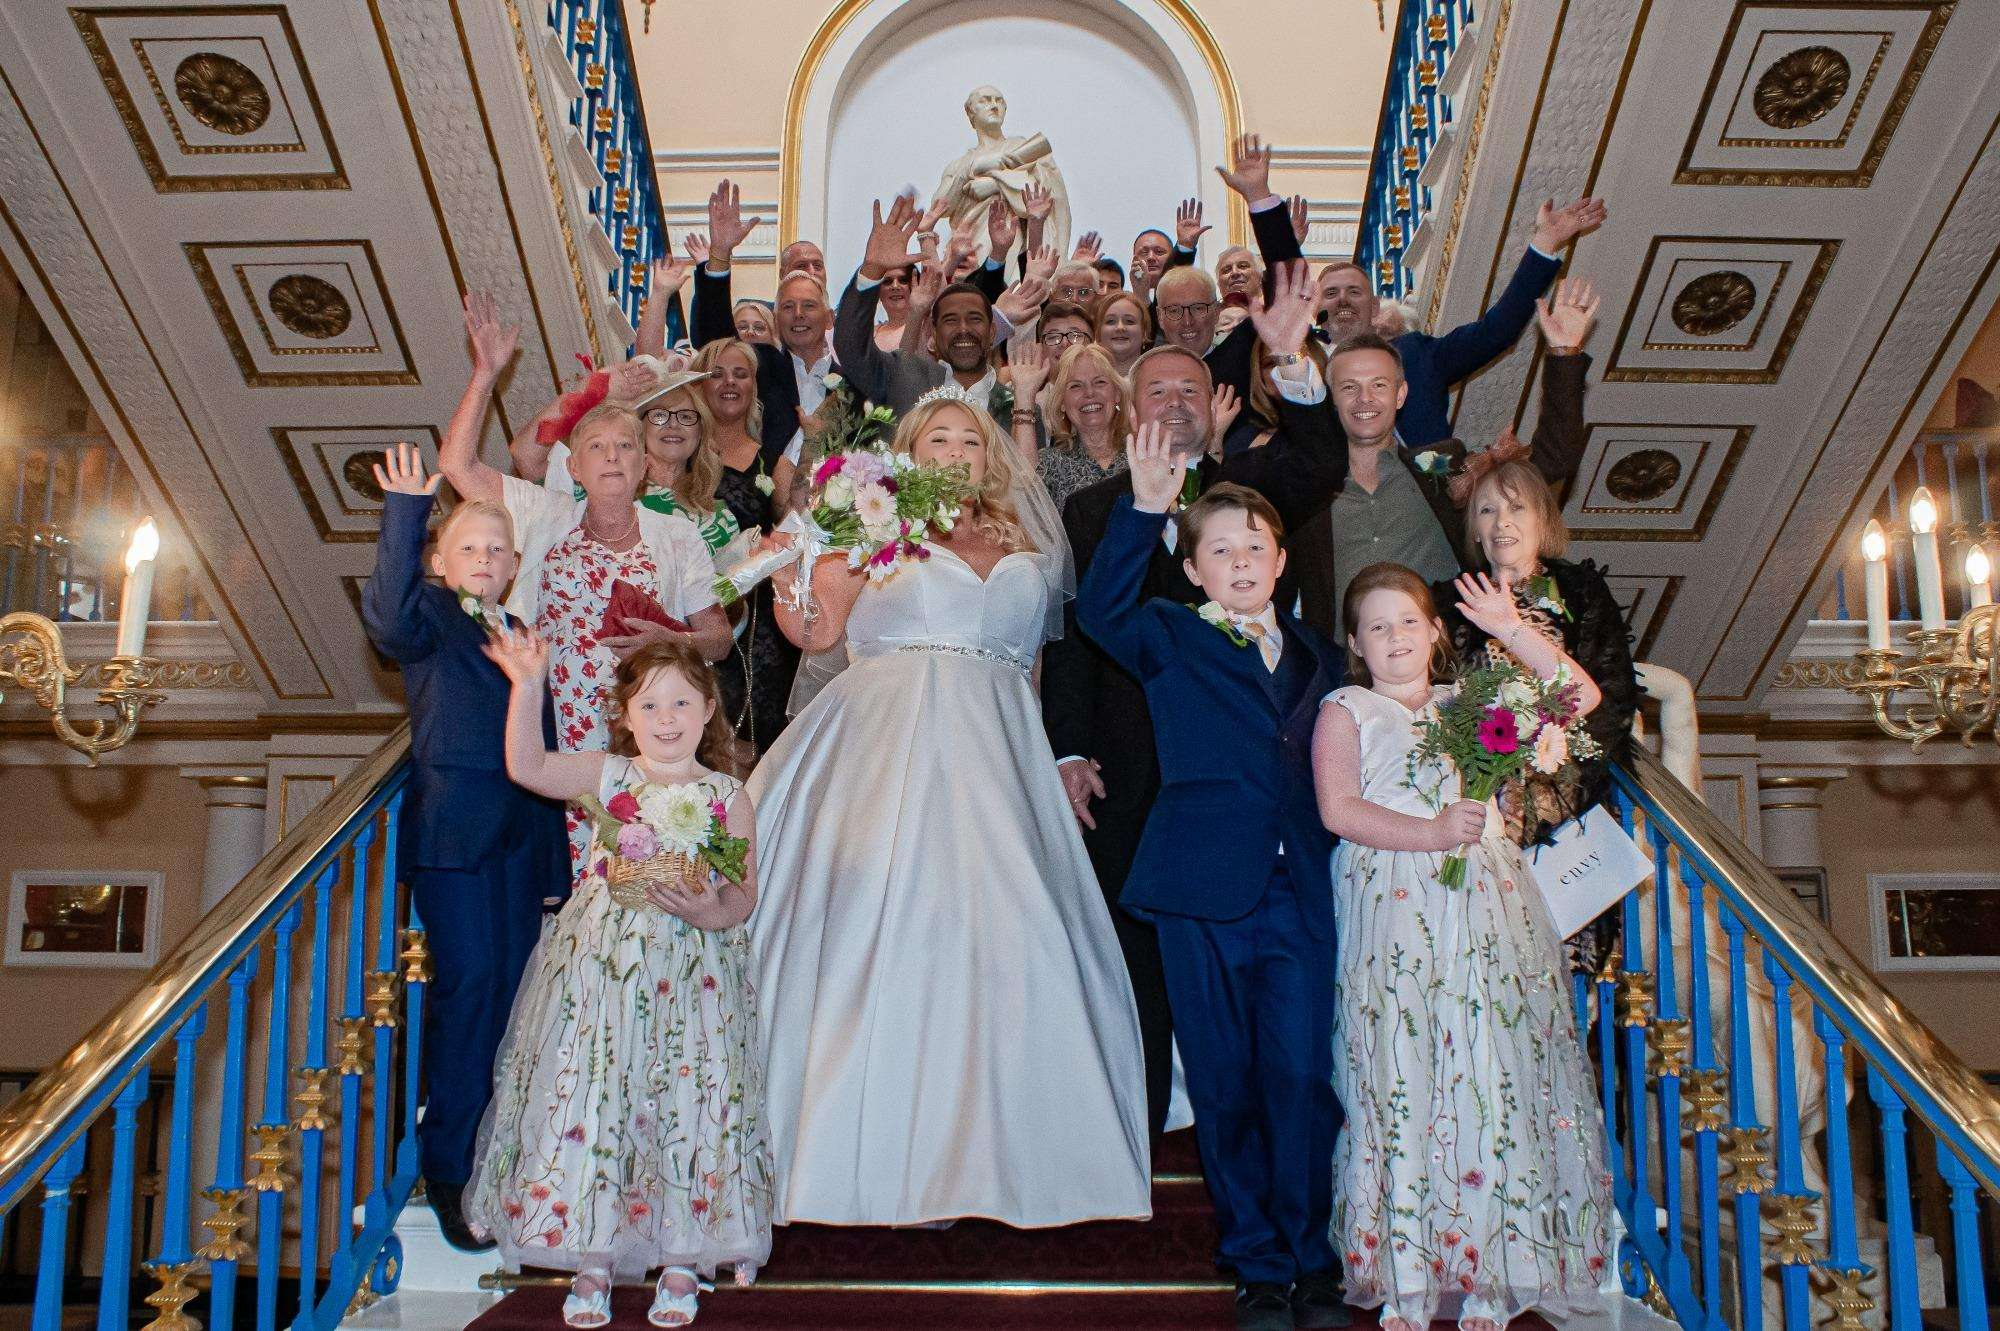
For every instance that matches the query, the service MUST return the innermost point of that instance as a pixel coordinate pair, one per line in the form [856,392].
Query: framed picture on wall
[1934,921]
[66,917]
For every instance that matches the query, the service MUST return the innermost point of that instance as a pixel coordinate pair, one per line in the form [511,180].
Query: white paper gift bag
[1587,869]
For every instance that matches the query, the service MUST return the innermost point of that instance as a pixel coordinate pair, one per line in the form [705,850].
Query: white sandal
[592,1309]
[671,1309]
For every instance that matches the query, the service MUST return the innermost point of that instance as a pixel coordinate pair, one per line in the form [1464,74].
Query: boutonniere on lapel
[1432,464]
[1543,594]
[1215,616]
[478,611]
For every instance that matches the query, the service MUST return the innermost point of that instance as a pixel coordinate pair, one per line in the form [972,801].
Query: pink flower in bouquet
[828,469]
[1551,749]
[874,505]
[719,809]
[622,806]
[636,841]
[1497,733]
[865,467]
[886,556]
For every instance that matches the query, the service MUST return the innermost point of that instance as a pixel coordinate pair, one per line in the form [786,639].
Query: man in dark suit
[1095,711]
[1433,366]
[792,375]
[483,857]
[1395,501]
[1246,919]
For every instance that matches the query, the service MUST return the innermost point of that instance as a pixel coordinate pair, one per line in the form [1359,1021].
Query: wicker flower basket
[629,879]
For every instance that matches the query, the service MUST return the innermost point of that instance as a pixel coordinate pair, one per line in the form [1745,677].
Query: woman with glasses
[894,303]
[753,322]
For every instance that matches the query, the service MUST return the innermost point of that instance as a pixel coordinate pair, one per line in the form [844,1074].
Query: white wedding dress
[946,1018]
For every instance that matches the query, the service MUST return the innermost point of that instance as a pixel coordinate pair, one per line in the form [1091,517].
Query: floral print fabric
[627,1123]
[1470,1176]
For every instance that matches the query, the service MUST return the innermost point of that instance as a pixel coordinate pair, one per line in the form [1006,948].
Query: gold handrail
[34,1117]
[1775,911]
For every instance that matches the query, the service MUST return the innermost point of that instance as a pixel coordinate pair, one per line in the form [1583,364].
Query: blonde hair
[607,413]
[992,510]
[710,357]
[1517,479]
[475,508]
[1061,431]
[702,472]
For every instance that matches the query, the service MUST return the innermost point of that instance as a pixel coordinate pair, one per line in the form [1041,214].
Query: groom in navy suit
[1233,868]
[483,857]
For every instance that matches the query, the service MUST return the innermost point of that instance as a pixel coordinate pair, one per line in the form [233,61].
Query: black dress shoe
[1316,1301]
[1263,1305]
[445,1201]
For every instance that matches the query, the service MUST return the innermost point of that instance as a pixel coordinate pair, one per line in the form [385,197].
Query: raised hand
[1283,322]
[1043,262]
[1566,314]
[1249,169]
[521,655]
[1038,201]
[696,245]
[1488,604]
[1556,227]
[932,215]
[1156,471]
[1022,301]
[1028,363]
[889,239]
[727,227]
[1462,823]
[669,275]
[1002,228]
[1188,229]
[959,250]
[493,342]
[405,473]
[1224,406]
[1089,248]
[924,291]
[1300,224]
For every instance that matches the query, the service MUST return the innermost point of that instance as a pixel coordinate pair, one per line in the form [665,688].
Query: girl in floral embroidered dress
[1471,1168]
[627,1123]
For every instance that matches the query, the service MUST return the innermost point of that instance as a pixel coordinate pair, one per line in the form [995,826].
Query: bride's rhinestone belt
[955,649]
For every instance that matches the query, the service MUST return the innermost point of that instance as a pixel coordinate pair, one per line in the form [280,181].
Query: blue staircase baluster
[1843,1252]
[1900,1244]
[1964,1239]
[1667,1025]
[274,1129]
[312,1098]
[55,1236]
[1708,1205]
[384,1017]
[224,1251]
[413,1044]
[1642,1217]
[1791,1193]
[114,1299]
[1744,1131]
[174,1248]
[341,1276]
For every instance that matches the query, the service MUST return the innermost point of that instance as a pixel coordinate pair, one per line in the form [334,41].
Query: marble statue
[997,169]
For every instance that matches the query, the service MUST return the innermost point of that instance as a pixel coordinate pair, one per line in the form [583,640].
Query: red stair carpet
[975,1276]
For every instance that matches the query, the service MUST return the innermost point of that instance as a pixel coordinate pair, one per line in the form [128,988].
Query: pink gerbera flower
[1497,733]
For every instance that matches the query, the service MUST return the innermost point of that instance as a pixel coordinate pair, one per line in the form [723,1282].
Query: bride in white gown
[946,1019]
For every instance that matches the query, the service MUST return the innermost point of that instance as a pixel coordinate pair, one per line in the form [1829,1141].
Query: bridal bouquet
[1502,722]
[877,505]
[664,834]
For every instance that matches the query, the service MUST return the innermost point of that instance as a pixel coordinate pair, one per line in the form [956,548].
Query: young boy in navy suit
[482,856]
[1233,870]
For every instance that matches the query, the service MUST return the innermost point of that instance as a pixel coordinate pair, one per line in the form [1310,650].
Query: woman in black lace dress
[1515,528]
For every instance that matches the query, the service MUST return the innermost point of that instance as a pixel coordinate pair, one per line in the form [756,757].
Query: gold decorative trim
[223,1225]
[1715,302]
[1855,104]
[176,1290]
[232,333]
[1784,267]
[178,675]
[1802,86]
[1704,1093]
[1474,133]
[164,181]
[293,454]
[1746,1151]
[1732,454]
[1818,675]
[1781,351]
[1860,176]
[1180,11]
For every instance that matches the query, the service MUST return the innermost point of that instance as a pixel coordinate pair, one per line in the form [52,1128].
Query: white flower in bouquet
[681,815]
[876,508]
[833,383]
[1551,749]
[838,494]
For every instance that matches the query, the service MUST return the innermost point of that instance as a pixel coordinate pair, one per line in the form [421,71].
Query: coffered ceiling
[248,226]
[1805,210]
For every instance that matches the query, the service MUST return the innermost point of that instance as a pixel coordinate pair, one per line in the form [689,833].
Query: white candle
[1978,577]
[1924,554]
[140,561]
[1875,569]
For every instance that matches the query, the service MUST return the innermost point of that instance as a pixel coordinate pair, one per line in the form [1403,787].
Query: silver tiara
[948,391]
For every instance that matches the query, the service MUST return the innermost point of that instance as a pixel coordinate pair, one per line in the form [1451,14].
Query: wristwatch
[1290,358]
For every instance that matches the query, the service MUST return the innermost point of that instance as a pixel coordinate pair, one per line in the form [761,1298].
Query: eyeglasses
[686,417]
[1057,338]
[1198,310]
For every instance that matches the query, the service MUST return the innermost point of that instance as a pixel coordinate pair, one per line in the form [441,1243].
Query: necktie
[1267,642]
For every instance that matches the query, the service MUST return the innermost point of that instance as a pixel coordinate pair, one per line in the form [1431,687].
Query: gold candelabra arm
[31,657]
[1882,679]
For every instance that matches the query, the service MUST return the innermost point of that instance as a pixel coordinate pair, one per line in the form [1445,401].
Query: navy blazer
[1433,366]
[1236,779]
[462,806]
[777,381]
